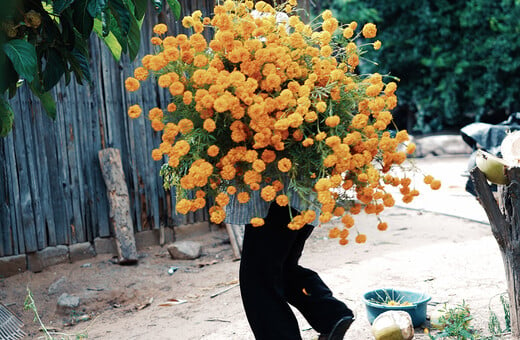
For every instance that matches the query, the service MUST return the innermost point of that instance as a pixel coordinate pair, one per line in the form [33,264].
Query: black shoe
[339,329]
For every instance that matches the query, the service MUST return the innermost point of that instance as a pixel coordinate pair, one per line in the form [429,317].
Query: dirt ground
[441,244]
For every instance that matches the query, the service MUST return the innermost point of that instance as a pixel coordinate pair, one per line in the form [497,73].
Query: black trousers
[271,279]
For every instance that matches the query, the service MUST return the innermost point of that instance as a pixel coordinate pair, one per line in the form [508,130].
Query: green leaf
[122,15]
[95,7]
[110,40]
[140,8]
[54,69]
[82,19]
[6,117]
[134,38]
[176,8]
[23,56]
[59,6]
[80,66]
[157,4]
[7,72]
[46,100]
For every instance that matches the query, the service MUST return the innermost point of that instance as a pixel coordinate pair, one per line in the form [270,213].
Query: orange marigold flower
[217,216]
[131,84]
[185,125]
[231,190]
[160,29]
[369,30]
[177,88]
[382,226]
[334,232]
[156,41]
[187,97]
[435,184]
[282,200]
[134,111]
[284,164]
[343,241]
[209,125]
[157,154]
[332,121]
[257,221]
[321,106]
[377,45]
[307,142]
[428,179]
[410,148]
[222,199]
[258,165]
[268,193]
[171,107]
[213,150]
[347,220]
[268,156]
[361,238]
[348,33]
[243,197]
[141,73]
[183,206]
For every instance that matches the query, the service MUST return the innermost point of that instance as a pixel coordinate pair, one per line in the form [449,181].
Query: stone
[67,303]
[47,257]
[12,265]
[81,251]
[105,245]
[185,250]
[57,286]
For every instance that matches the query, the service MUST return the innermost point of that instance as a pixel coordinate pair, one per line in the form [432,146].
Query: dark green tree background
[458,61]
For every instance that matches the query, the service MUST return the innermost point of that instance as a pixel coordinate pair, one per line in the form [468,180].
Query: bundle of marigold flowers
[274,106]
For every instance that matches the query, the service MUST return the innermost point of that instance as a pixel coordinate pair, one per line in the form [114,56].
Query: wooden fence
[51,188]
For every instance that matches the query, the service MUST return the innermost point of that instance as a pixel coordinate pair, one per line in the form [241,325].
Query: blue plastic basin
[417,310]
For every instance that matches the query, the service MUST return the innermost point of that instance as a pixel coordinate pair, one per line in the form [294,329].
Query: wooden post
[117,192]
[504,218]
[236,237]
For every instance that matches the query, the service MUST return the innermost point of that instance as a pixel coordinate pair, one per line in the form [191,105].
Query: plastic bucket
[374,302]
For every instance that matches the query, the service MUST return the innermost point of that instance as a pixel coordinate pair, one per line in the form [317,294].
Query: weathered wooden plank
[101,201]
[35,167]
[63,232]
[14,194]
[5,216]
[22,140]
[44,141]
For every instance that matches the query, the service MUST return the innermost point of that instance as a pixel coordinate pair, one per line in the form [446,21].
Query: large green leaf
[134,38]
[175,7]
[23,56]
[54,69]
[110,40]
[140,8]
[122,15]
[6,117]
[80,66]
[82,19]
[59,6]
[46,99]
[95,7]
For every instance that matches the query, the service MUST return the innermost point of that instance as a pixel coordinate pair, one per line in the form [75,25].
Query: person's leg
[264,252]
[306,291]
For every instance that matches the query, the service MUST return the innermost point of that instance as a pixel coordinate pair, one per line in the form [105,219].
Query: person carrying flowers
[270,122]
